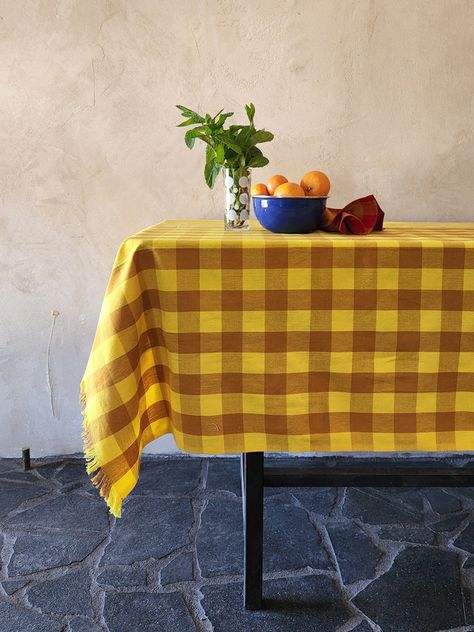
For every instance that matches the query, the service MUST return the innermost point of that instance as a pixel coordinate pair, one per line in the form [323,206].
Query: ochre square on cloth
[281,343]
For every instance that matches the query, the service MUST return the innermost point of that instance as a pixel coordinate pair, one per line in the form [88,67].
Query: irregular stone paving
[336,560]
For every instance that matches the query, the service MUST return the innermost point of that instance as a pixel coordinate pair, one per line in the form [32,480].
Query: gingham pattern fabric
[281,343]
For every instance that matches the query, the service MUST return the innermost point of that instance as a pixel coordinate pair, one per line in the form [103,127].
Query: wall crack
[54,314]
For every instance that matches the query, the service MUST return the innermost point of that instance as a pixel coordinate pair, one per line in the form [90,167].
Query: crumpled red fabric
[359,217]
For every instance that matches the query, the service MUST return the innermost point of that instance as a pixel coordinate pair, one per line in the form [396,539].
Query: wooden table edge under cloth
[285,344]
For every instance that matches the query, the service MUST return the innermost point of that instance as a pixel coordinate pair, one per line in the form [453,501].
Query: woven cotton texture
[281,343]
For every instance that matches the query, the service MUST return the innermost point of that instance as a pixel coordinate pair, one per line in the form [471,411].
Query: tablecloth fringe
[100,480]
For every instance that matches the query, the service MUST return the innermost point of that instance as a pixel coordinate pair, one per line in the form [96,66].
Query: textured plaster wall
[378,93]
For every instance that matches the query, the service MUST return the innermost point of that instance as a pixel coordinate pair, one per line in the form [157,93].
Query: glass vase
[237,199]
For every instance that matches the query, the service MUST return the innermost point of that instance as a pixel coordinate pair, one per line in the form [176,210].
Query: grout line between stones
[319,524]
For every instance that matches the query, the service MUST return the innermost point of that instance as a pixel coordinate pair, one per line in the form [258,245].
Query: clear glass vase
[237,199]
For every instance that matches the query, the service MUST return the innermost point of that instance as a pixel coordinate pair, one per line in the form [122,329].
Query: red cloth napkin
[359,217]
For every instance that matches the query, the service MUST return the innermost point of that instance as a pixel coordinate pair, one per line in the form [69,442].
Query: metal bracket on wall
[26,459]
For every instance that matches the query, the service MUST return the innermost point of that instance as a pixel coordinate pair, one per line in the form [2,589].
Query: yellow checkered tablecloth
[281,343]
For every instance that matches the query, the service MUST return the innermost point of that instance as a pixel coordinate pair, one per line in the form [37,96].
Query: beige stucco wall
[377,93]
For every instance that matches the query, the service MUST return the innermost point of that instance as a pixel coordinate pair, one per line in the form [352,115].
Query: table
[256,342]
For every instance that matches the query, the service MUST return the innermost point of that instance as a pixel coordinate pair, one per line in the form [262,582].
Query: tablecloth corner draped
[100,480]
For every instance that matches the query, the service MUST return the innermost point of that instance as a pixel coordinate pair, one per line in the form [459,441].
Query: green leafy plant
[233,148]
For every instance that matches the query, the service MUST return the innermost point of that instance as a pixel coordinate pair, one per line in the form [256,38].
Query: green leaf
[231,158]
[220,155]
[255,158]
[188,122]
[203,137]
[254,151]
[222,118]
[229,141]
[211,171]
[250,109]
[257,161]
[186,112]
[262,136]
[243,138]
[190,138]
[192,134]
[210,154]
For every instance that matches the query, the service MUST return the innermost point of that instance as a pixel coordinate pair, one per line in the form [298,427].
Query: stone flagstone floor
[336,560]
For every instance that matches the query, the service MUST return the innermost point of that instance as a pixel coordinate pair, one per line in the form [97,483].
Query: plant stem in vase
[237,199]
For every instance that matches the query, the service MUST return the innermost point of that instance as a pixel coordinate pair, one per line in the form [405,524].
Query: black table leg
[252,502]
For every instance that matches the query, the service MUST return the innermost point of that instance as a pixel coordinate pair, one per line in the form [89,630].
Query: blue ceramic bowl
[289,214]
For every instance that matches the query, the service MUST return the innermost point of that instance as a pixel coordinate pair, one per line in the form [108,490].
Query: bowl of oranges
[287,207]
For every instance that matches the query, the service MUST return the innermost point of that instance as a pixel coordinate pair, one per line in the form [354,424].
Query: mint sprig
[232,148]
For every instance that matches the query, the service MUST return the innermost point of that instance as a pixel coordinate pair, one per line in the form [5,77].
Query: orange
[315,183]
[275,182]
[289,189]
[258,189]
